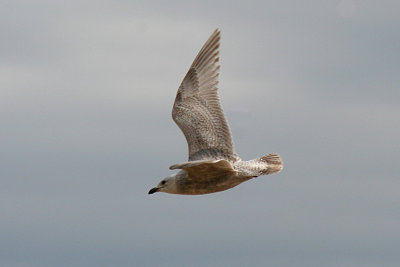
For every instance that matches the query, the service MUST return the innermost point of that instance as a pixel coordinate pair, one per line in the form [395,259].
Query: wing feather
[197,109]
[203,169]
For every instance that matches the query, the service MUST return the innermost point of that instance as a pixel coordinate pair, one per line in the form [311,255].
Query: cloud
[86,94]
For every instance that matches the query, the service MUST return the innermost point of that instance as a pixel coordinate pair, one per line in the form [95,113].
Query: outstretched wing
[197,109]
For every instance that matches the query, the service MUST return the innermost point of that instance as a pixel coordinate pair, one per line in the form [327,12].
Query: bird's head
[167,185]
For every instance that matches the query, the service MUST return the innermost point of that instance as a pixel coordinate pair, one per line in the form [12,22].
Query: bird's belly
[206,185]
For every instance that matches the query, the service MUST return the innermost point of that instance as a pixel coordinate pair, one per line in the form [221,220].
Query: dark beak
[153,190]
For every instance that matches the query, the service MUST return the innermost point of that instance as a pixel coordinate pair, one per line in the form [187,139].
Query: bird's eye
[163,182]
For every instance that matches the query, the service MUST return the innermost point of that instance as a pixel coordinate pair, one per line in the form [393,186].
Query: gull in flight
[213,165]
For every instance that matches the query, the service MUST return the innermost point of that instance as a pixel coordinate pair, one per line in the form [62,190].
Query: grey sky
[86,92]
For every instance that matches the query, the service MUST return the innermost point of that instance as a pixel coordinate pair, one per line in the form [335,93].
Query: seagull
[213,165]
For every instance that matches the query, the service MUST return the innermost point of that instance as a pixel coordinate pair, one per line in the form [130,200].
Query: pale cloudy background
[86,90]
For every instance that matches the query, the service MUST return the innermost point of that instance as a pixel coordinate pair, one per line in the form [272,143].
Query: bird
[212,165]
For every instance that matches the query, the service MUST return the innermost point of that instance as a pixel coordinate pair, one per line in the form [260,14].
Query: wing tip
[173,167]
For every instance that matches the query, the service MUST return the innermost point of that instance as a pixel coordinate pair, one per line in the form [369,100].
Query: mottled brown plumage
[213,164]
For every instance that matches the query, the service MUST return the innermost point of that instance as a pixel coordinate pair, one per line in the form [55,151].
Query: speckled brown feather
[197,109]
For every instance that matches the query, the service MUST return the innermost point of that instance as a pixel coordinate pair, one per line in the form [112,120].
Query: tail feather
[274,163]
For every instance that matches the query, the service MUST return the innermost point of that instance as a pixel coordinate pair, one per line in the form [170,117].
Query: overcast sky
[86,92]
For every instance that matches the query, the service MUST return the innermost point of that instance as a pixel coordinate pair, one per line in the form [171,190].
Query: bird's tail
[268,164]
